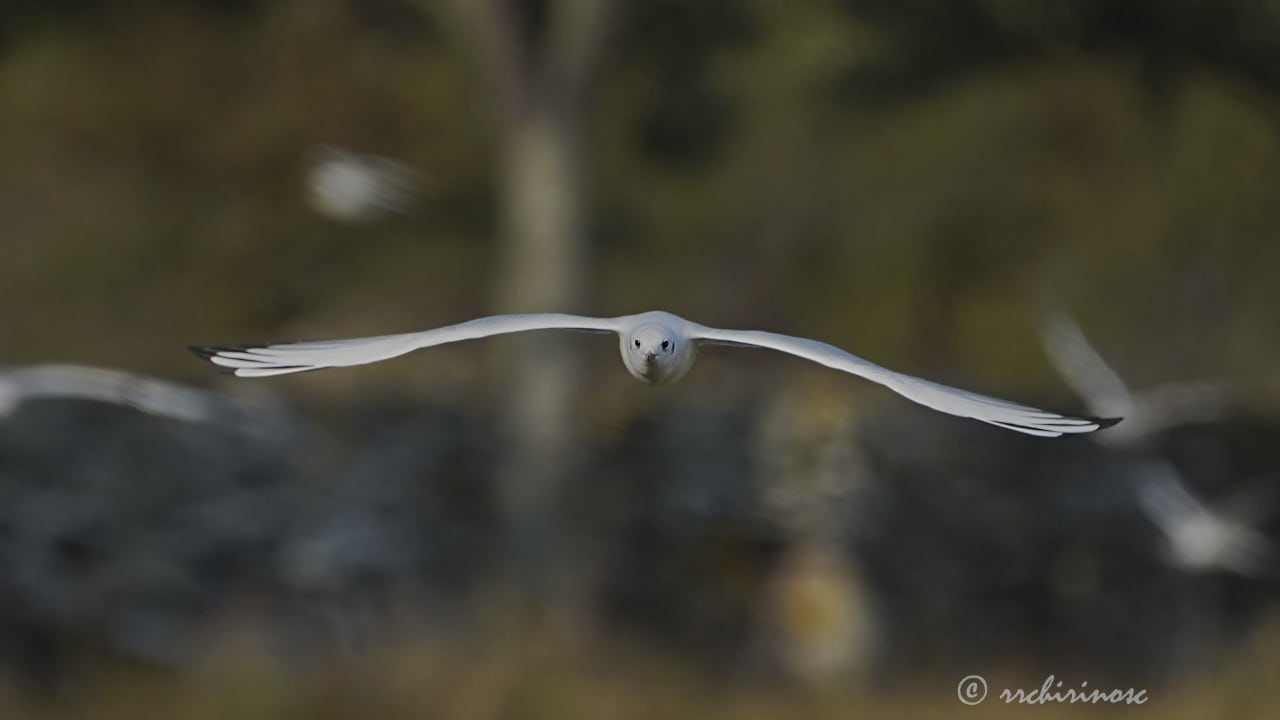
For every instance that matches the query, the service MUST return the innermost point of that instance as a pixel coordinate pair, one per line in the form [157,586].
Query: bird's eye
[665,344]
[637,342]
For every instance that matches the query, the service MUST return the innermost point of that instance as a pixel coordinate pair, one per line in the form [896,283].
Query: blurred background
[1069,204]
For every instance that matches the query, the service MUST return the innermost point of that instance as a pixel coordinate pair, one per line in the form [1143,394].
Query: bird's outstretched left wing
[953,401]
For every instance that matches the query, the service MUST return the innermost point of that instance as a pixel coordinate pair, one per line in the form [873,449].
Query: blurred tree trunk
[542,210]
[535,73]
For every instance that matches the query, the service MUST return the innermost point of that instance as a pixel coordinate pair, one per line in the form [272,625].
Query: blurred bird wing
[952,401]
[1184,403]
[283,358]
[1252,505]
[1080,365]
[112,386]
[1164,498]
[1251,554]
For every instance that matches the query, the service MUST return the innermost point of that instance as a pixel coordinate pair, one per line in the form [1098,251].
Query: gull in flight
[356,187]
[1198,538]
[657,347]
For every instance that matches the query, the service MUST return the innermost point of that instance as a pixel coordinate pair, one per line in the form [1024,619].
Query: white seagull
[657,347]
[357,187]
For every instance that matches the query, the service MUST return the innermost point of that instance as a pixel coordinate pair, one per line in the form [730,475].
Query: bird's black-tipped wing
[284,358]
[950,400]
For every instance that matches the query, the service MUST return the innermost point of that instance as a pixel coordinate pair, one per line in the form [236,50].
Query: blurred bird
[657,347]
[1200,539]
[1106,395]
[156,397]
[353,187]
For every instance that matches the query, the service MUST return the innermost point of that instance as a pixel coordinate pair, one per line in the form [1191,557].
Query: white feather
[950,400]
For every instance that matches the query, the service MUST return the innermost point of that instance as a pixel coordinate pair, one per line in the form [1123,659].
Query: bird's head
[652,345]
[655,355]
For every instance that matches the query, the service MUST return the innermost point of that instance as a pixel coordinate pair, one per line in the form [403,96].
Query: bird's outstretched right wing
[284,358]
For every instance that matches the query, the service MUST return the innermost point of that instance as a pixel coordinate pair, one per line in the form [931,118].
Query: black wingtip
[1106,422]
[208,351]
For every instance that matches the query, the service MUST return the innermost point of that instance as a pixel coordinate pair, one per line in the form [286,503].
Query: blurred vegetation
[914,181]
[552,675]
[746,172]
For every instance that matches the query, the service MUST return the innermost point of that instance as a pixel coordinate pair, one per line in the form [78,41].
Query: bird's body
[356,187]
[1200,538]
[657,347]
